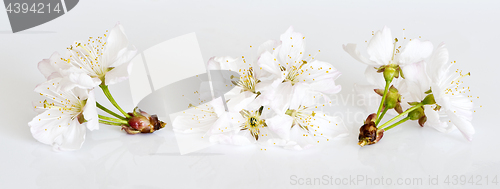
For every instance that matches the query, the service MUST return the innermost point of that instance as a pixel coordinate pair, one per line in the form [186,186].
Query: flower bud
[429,99]
[130,130]
[142,122]
[389,73]
[368,133]
[393,98]
[139,122]
[417,113]
[371,118]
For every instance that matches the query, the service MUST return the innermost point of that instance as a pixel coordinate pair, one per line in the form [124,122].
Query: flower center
[50,106]
[247,81]
[455,84]
[394,49]
[253,122]
[301,117]
[88,57]
[74,110]
[293,73]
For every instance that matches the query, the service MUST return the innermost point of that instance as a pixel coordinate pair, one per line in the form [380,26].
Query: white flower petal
[45,127]
[218,106]
[415,51]
[328,126]
[353,51]
[326,86]
[269,63]
[71,139]
[321,77]
[239,102]
[51,67]
[116,42]
[81,80]
[124,56]
[268,46]
[300,96]
[463,125]
[59,124]
[417,81]
[380,47]
[185,124]
[223,124]
[292,46]
[438,66]
[281,125]
[90,112]
[434,121]
[301,138]
[229,63]
[462,106]
[118,74]
[281,99]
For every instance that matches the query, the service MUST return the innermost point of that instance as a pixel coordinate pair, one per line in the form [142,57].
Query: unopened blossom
[369,133]
[142,122]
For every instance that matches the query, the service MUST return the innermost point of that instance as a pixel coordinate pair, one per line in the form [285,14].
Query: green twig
[113,119]
[402,114]
[396,124]
[387,83]
[381,116]
[109,123]
[112,100]
[109,111]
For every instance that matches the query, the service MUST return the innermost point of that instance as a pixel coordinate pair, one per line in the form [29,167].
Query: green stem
[396,124]
[402,114]
[109,111]
[109,123]
[112,100]
[387,83]
[113,119]
[381,116]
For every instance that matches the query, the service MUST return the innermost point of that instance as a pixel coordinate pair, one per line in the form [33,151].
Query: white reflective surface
[112,159]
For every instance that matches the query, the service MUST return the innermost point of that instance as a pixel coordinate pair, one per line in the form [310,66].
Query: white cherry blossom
[87,64]
[63,114]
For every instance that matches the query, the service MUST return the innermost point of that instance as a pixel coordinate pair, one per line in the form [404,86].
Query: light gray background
[112,159]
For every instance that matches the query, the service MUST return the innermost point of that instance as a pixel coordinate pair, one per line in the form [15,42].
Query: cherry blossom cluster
[414,80]
[69,107]
[277,99]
